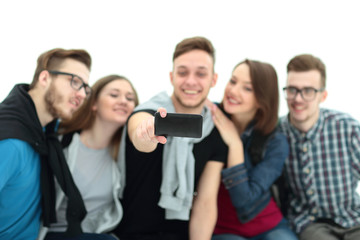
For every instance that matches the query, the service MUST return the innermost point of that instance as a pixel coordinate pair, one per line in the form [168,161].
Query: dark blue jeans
[84,236]
[280,232]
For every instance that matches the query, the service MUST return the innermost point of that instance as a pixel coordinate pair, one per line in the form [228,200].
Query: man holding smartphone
[172,183]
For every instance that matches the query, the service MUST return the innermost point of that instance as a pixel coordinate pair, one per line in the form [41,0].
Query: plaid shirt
[323,170]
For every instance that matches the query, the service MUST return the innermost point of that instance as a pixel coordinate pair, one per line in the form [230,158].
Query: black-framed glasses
[76,82]
[307,93]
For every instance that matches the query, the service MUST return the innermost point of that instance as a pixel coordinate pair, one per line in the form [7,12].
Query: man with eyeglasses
[31,155]
[323,167]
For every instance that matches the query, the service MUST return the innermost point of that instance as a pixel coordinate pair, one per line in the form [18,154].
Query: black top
[142,215]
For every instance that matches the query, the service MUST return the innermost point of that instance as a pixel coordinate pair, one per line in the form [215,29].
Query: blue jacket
[249,186]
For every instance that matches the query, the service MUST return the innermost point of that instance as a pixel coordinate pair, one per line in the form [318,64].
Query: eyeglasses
[76,82]
[307,93]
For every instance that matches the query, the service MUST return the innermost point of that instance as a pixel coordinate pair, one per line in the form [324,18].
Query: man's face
[192,78]
[305,113]
[61,98]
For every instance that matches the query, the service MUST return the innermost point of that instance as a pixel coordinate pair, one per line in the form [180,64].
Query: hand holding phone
[179,125]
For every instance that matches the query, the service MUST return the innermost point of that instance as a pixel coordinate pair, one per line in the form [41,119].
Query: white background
[137,38]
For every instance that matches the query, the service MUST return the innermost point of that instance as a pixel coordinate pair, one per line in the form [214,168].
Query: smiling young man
[323,168]
[171,181]
[29,149]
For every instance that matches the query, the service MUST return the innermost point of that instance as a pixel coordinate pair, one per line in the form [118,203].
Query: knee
[281,234]
[227,237]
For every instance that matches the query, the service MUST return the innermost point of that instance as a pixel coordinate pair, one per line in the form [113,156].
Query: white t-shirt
[93,177]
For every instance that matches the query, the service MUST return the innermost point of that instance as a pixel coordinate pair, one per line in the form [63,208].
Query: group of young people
[81,162]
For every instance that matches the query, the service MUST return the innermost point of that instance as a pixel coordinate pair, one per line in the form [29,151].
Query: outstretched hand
[146,130]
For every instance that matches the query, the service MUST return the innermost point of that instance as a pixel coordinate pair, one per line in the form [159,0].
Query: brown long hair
[84,117]
[51,59]
[265,85]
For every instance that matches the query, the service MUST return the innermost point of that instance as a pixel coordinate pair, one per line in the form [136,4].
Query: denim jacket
[249,186]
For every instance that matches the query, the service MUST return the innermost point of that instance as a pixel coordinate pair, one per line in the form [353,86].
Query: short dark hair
[194,43]
[51,59]
[307,62]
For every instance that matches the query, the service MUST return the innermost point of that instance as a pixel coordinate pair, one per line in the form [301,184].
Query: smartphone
[179,125]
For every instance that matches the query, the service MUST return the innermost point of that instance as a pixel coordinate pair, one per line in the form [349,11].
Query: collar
[312,134]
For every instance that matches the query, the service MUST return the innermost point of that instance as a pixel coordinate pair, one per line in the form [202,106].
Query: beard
[52,99]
